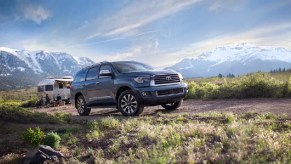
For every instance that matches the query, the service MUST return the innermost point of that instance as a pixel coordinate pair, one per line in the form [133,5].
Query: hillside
[20,68]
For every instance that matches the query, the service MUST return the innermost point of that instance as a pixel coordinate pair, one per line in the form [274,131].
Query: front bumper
[157,95]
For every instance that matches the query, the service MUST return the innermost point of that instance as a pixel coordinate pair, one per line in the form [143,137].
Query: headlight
[142,79]
[180,76]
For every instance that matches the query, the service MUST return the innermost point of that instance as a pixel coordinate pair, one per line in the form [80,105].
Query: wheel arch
[120,90]
[77,95]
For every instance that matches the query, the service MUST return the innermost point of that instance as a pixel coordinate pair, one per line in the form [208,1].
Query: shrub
[95,134]
[31,102]
[249,86]
[104,123]
[33,136]
[229,118]
[52,139]
[110,123]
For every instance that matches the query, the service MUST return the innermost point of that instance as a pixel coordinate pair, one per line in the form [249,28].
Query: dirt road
[276,106]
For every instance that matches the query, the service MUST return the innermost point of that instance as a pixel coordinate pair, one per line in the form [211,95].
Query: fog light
[145,94]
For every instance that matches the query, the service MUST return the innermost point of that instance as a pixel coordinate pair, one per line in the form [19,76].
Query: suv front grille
[166,79]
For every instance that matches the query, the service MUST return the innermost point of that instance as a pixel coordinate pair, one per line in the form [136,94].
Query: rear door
[92,85]
[78,85]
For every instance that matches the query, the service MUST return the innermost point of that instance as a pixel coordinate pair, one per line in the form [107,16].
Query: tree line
[280,70]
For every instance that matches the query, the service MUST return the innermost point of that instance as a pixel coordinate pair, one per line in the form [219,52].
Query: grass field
[162,138]
[18,95]
[209,137]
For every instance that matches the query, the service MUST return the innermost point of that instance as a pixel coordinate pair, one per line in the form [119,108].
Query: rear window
[80,76]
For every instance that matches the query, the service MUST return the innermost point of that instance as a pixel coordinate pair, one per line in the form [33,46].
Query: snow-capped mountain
[235,59]
[20,67]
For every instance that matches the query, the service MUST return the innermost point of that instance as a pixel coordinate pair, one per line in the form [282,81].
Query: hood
[150,73]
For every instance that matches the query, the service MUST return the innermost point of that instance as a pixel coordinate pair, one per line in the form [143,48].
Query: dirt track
[276,106]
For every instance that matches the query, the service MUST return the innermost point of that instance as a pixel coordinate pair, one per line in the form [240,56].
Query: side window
[92,73]
[80,76]
[49,87]
[104,67]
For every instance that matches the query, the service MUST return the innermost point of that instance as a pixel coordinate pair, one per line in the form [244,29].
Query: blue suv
[127,85]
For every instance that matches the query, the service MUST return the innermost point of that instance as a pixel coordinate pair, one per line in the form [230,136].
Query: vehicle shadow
[99,114]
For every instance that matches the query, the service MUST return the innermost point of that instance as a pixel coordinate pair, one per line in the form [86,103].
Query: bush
[33,136]
[249,86]
[33,101]
[104,123]
[52,139]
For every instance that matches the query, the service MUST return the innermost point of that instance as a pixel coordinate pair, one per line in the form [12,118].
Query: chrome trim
[152,81]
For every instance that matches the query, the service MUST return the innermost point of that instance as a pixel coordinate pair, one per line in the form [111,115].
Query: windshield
[126,67]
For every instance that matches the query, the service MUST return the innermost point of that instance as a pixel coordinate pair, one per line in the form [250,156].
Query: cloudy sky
[158,32]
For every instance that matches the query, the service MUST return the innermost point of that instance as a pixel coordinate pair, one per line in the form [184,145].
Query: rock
[41,154]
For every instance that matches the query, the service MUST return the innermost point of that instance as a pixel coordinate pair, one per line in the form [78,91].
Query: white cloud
[38,14]
[225,4]
[136,15]
[143,50]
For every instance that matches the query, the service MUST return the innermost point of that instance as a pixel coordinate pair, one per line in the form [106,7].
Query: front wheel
[173,105]
[81,106]
[128,105]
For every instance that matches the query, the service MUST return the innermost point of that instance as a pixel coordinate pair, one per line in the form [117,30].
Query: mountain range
[237,59]
[20,67]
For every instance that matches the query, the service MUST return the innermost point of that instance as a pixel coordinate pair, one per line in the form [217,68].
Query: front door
[106,85]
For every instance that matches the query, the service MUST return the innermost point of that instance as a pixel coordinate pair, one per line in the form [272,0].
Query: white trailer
[55,87]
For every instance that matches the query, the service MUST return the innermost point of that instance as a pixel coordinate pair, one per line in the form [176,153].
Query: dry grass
[174,138]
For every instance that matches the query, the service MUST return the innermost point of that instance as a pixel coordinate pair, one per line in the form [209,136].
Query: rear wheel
[128,104]
[81,106]
[172,105]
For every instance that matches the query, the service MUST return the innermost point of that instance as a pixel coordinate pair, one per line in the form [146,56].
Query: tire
[172,106]
[68,101]
[81,106]
[128,105]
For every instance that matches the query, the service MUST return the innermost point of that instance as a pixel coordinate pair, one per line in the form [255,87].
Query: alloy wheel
[80,105]
[129,104]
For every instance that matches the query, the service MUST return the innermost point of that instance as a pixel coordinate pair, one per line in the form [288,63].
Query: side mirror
[105,73]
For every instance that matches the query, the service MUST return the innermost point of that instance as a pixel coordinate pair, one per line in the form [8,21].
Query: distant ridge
[235,59]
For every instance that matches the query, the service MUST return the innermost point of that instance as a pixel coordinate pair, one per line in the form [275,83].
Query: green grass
[18,94]
[178,138]
[15,113]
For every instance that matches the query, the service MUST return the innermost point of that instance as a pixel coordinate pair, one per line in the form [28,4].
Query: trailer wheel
[68,101]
